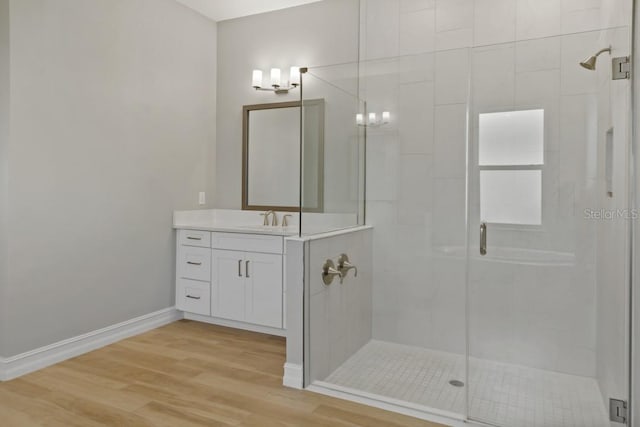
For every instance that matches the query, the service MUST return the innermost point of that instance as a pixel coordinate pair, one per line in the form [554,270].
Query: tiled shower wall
[435,65]
[339,313]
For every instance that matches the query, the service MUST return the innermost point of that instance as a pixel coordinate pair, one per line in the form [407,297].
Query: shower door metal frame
[633,367]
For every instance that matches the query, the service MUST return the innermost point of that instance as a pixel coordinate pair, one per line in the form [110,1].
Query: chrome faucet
[285,223]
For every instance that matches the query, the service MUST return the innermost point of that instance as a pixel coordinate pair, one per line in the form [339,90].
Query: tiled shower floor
[501,394]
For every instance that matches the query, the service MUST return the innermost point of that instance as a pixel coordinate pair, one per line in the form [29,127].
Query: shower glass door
[548,226]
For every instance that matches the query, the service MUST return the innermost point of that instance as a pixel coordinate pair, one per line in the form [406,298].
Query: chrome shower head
[590,62]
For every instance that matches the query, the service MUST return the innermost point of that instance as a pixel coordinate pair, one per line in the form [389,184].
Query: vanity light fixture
[276,80]
[373,120]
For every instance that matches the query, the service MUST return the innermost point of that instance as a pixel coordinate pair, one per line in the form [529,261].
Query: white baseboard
[21,364]
[293,376]
[235,324]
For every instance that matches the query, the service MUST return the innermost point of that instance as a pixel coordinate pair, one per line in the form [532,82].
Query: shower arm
[606,49]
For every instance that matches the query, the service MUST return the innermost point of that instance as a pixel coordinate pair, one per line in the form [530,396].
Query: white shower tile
[541,90]
[454,39]
[319,337]
[576,359]
[382,157]
[382,29]
[449,319]
[450,141]
[337,319]
[413,5]
[616,13]
[452,77]
[454,14]
[380,89]
[574,21]
[417,32]
[415,118]
[493,79]
[502,394]
[449,213]
[578,137]
[571,5]
[416,68]
[538,54]
[337,245]
[538,18]
[415,189]
[494,22]
[408,320]
[384,323]
[535,345]
[318,254]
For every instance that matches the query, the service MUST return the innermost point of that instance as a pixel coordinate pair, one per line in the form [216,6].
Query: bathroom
[431,203]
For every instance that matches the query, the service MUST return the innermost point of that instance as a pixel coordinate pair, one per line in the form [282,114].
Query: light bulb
[359,119]
[385,117]
[372,118]
[275,77]
[257,79]
[294,76]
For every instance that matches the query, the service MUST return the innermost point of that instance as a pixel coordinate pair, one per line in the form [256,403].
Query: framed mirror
[271,156]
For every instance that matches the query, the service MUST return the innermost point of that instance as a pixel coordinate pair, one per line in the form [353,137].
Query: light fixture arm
[277,89]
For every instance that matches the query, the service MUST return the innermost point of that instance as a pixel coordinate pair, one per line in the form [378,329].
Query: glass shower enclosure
[497,184]
[332,148]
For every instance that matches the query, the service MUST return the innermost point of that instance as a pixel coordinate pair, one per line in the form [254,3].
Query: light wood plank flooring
[183,374]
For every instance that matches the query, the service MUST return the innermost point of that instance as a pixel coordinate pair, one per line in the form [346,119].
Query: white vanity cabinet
[247,286]
[233,279]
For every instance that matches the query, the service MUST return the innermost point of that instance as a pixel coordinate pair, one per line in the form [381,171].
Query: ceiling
[219,10]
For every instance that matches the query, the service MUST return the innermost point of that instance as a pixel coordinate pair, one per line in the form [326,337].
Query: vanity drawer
[247,242]
[194,263]
[193,297]
[194,238]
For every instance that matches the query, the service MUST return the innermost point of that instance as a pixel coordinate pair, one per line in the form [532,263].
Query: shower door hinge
[618,411]
[621,68]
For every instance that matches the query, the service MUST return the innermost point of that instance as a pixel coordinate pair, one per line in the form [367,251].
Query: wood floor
[184,374]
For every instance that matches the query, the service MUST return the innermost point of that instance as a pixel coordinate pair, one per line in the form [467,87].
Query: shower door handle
[483,238]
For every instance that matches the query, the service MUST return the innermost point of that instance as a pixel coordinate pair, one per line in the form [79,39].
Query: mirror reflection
[271,156]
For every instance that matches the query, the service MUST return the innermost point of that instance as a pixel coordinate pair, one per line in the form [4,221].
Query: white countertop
[250,222]
[233,221]
[273,231]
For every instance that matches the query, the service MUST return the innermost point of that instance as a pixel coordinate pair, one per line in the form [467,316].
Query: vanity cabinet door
[228,285]
[264,289]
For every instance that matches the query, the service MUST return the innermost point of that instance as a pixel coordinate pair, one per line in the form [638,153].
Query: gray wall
[4,139]
[112,128]
[320,33]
